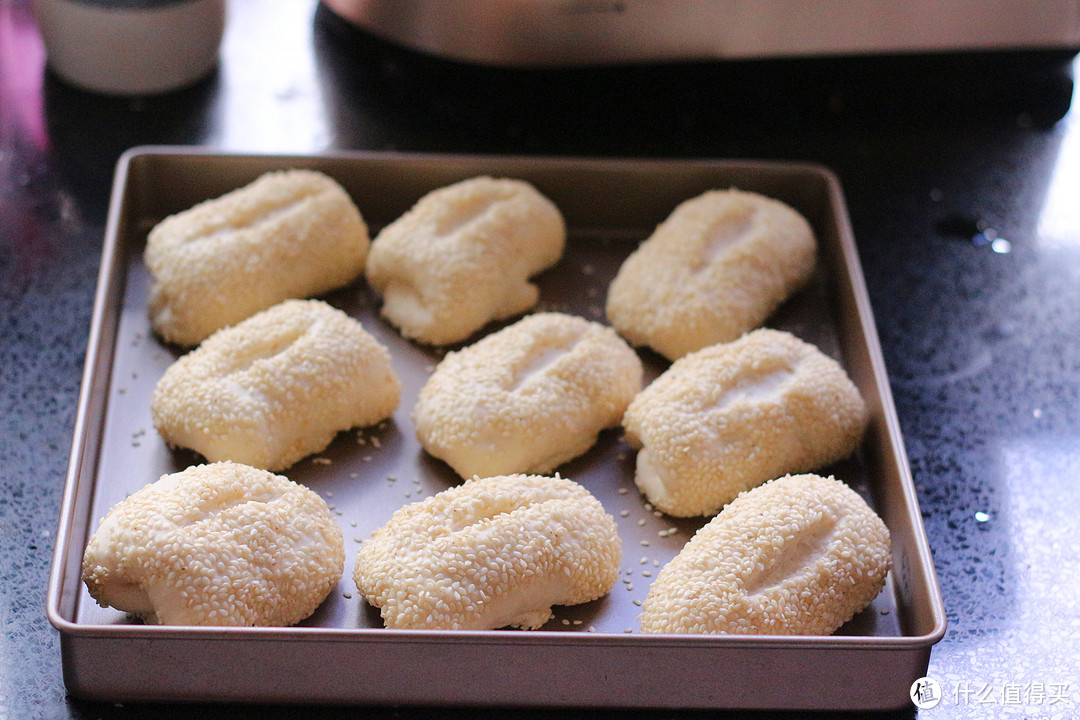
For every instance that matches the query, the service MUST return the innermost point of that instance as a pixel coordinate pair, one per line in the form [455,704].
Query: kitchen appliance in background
[553,33]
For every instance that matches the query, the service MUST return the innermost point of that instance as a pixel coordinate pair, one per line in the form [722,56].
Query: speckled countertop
[961,175]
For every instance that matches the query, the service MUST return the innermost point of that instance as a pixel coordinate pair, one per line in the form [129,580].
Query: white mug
[131,47]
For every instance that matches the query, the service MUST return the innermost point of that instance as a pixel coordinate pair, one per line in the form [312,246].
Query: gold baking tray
[587,655]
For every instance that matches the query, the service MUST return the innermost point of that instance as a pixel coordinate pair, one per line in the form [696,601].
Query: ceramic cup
[131,47]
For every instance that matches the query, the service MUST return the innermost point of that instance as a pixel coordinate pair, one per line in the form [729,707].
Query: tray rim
[71,629]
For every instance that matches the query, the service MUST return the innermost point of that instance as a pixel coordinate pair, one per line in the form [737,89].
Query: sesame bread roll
[463,256]
[800,555]
[219,544]
[716,268]
[527,398]
[490,553]
[276,387]
[289,234]
[726,418]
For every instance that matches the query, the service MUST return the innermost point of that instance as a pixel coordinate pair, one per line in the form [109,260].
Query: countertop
[961,174]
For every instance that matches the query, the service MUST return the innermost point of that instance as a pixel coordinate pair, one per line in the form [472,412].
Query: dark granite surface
[962,177]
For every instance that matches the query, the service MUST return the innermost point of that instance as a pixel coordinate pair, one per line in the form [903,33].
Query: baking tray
[587,655]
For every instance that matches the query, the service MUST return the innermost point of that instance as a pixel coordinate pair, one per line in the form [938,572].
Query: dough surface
[527,398]
[289,234]
[217,544]
[731,416]
[799,555]
[276,387]
[716,268]
[490,553]
[462,257]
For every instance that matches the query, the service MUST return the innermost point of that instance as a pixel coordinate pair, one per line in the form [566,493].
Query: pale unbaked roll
[490,553]
[731,416]
[800,555]
[463,256]
[276,387]
[289,234]
[716,268]
[218,544]
[527,398]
